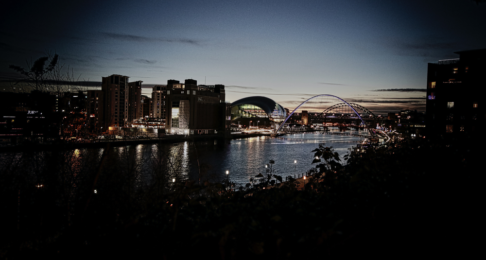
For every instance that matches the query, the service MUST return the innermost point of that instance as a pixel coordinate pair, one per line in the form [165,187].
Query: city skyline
[374,53]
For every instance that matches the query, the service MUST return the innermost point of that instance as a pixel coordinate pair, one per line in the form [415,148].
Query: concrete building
[115,89]
[193,109]
[134,101]
[454,105]
[159,93]
[147,109]
[28,116]
[122,102]
[95,110]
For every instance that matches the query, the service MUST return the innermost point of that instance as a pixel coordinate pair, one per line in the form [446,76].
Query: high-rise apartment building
[115,89]
[159,93]
[134,101]
[94,110]
[454,104]
[146,107]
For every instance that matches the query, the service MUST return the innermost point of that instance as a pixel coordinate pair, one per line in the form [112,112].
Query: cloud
[245,87]
[274,94]
[403,90]
[423,98]
[427,48]
[136,38]
[384,101]
[298,102]
[144,61]
[333,84]
[55,82]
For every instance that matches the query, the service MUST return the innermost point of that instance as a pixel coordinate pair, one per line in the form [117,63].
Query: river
[242,158]
[246,157]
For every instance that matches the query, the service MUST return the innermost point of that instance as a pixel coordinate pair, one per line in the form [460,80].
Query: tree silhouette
[45,75]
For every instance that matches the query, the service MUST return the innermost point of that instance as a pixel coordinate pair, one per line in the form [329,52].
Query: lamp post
[295,165]
[227,177]
[304,182]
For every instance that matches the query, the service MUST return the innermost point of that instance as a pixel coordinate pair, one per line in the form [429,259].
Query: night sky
[286,50]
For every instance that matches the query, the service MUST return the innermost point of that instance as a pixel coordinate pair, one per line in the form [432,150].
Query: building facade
[146,107]
[454,106]
[257,112]
[134,101]
[159,93]
[122,102]
[193,109]
[115,90]
[95,110]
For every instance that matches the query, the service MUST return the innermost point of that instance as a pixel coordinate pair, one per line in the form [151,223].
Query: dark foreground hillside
[420,198]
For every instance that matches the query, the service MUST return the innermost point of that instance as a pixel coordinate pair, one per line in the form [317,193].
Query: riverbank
[116,143]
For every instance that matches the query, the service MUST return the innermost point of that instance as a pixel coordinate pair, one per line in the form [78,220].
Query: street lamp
[227,178]
[295,165]
[304,182]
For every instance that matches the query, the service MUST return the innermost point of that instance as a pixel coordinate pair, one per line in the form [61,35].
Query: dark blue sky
[286,50]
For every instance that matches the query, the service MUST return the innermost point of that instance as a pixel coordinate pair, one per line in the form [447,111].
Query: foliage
[43,76]
[376,204]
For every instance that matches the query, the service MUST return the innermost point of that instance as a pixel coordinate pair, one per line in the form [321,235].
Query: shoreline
[116,143]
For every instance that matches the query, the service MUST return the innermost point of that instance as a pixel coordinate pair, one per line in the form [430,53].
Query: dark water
[243,158]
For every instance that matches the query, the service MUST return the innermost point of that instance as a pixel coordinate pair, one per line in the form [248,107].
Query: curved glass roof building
[257,107]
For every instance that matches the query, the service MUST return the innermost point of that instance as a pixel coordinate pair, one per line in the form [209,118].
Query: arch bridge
[340,112]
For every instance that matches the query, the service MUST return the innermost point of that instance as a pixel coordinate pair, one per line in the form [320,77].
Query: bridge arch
[354,105]
[322,95]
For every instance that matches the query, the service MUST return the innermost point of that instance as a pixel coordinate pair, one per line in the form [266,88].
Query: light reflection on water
[243,158]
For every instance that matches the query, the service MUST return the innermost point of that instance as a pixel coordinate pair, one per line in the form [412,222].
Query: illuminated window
[466,69]
[454,71]
[432,84]
[450,104]
[449,128]
[475,105]
[461,128]
[431,96]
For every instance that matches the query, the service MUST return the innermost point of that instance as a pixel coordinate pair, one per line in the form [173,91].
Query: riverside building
[122,101]
[191,109]
[95,108]
[453,105]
